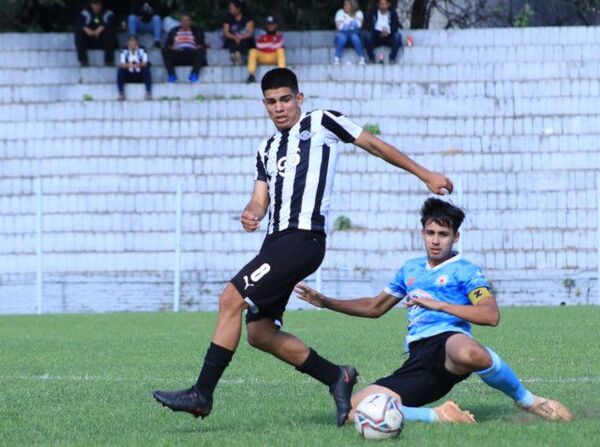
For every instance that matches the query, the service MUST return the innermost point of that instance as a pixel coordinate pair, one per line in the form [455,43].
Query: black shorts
[285,259]
[423,378]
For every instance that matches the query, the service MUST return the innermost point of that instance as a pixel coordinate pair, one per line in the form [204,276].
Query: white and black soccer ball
[378,416]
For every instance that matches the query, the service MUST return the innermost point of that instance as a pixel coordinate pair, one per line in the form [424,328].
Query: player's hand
[249,220]
[439,184]
[426,303]
[309,295]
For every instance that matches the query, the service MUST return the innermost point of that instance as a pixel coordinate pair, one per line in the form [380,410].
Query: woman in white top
[348,22]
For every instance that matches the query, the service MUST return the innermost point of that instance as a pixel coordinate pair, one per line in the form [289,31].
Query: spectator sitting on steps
[238,31]
[348,22]
[95,28]
[269,49]
[145,18]
[133,67]
[185,46]
[381,29]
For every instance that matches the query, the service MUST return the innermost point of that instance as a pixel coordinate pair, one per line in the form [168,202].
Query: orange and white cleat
[549,409]
[450,412]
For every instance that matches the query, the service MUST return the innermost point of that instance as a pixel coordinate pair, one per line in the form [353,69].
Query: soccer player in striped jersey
[294,178]
[444,294]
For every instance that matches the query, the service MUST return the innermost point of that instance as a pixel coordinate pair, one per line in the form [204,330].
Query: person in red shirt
[269,49]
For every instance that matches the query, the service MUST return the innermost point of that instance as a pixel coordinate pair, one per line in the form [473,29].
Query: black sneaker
[341,391]
[190,401]
[250,79]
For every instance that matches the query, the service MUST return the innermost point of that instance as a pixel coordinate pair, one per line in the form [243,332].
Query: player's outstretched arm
[257,207]
[485,312]
[372,307]
[436,182]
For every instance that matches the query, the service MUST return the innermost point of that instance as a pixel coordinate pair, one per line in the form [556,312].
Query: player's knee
[479,358]
[258,340]
[230,300]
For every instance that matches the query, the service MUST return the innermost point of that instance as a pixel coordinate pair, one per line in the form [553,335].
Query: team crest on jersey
[441,280]
[305,135]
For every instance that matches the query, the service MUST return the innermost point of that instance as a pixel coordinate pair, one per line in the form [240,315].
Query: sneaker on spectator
[336,61]
[250,79]
[172,78]
[193,77]
[157,44]
[361,61]
[121,97]
[148,96]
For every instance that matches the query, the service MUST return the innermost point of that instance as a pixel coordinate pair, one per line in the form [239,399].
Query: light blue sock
[422,414]
[503,378]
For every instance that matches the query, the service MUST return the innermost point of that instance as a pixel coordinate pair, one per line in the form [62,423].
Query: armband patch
[478,294]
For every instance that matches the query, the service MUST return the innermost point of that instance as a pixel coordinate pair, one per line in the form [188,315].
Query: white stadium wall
[511,115]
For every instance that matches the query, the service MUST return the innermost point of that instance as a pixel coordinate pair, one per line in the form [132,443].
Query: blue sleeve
[396,287]
[472,278]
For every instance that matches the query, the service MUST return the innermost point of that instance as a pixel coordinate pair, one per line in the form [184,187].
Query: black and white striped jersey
[298,165]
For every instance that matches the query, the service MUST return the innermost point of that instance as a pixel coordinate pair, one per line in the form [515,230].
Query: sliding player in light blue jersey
[444,294]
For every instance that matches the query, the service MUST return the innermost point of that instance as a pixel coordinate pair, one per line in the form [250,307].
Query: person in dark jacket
[145,18]
[381,28]
[95,28]
[185,46]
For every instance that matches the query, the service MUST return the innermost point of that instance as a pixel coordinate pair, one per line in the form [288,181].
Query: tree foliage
[58,15]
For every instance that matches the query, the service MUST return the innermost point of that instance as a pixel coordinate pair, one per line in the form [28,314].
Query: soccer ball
[378,416]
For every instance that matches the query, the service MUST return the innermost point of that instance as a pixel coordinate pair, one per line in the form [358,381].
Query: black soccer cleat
[341,391]
[190,401]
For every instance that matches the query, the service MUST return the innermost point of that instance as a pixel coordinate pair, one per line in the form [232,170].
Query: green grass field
[88,380]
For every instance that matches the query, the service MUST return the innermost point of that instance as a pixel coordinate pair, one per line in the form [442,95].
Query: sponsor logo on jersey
[293,161]
[411,281]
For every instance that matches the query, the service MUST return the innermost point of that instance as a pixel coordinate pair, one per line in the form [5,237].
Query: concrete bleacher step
[465,71]
[183,90]
[262,126]
[324,55]
[515,151]
[227,108]
[498,37]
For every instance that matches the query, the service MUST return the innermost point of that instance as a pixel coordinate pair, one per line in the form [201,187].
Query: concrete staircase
[510,114]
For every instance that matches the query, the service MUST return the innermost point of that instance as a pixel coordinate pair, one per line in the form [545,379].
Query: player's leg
[464,355]
[500,375]
[420,380]
[265,335]
[197,400]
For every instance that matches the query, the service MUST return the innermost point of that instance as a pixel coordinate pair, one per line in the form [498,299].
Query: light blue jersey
[455,281]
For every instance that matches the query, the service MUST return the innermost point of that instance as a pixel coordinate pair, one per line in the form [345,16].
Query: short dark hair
[442,213]
[280,77]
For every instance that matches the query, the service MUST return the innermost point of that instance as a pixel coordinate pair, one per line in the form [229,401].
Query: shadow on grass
[320,418]
[489,413]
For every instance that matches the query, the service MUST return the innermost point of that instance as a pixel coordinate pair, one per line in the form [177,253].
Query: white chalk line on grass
[253,380]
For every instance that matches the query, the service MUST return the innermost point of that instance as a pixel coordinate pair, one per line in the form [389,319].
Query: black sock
[216,360]
[319,368]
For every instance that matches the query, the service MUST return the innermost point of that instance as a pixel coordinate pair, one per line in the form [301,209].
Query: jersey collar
[457,257]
